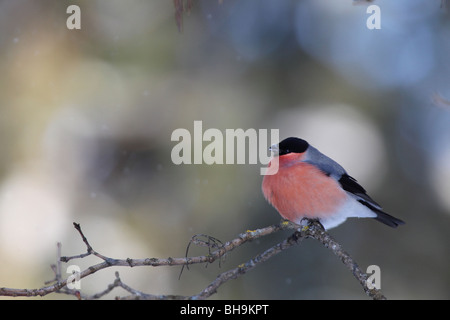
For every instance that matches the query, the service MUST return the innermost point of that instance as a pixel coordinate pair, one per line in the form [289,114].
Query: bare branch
[440,101]
[216,250]
[322,236]
[296,238]
[181,6]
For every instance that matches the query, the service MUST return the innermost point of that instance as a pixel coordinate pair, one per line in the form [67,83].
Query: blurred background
[86,118]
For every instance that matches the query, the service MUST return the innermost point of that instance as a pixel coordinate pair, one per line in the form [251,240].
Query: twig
[180,9]
[440,101]
[296,238]
[216,250]
[322,236]
[210,242]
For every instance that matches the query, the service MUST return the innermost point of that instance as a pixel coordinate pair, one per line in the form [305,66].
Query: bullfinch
[308,184]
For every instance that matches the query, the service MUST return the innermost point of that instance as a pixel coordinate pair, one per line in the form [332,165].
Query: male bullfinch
[310,185]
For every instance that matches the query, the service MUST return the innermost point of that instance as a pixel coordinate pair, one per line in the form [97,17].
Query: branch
[323,237]
[180,8]
[216,251]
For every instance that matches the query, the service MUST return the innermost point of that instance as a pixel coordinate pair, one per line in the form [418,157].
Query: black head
[292,145]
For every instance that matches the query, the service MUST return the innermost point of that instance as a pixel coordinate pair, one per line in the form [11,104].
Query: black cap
[292,145]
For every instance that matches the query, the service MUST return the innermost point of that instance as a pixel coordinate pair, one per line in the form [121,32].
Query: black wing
[350,184]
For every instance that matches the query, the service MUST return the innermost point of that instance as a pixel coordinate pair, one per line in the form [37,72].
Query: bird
[307,184]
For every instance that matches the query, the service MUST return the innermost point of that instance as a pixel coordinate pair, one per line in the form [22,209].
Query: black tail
[388,219]
[383,217]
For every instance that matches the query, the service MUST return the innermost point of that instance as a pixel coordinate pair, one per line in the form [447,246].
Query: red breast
[300,190]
